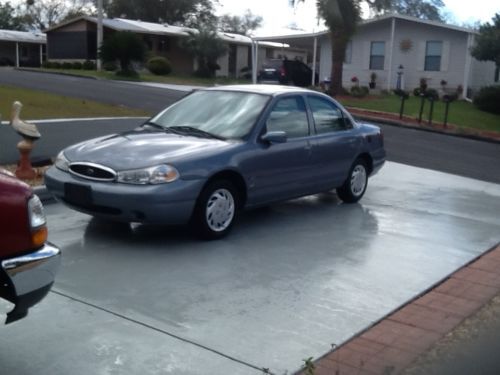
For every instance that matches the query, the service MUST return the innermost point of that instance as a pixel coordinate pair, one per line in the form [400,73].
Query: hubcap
[220,210]
[358,180]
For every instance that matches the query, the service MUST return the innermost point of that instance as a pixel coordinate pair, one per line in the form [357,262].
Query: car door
[335,143]
[282,170]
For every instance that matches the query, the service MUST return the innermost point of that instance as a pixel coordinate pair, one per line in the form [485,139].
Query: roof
[122,24]
[259,89]
[22,37]
[385,17]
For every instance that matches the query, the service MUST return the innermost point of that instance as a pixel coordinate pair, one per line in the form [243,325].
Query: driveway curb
[393,343]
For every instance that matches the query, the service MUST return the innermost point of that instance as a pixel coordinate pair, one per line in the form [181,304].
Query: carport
[20,48]
[307,42]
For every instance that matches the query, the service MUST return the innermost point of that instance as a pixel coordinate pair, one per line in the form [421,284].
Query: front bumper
[29,278]
[166,204]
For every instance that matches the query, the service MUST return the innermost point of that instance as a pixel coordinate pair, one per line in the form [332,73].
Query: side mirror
[275,137]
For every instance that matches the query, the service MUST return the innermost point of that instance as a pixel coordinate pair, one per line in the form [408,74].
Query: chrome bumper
[31,277]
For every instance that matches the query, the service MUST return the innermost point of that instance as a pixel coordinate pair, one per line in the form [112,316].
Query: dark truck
[28,263]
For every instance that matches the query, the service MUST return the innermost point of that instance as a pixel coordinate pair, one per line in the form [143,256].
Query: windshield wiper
[158,126]
[190,130]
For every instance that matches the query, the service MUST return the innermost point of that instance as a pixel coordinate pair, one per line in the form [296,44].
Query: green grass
[148,77]
[461,113]
[42,105]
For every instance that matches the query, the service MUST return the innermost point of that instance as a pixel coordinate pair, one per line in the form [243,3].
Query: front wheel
[215,210]
[355,185]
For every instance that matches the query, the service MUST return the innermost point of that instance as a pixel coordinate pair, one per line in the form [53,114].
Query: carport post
[255,59]
[99,33]
[41,54]
[315,46]
[17,54]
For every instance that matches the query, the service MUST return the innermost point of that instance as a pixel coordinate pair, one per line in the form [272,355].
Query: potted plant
[373,79]
[355,81]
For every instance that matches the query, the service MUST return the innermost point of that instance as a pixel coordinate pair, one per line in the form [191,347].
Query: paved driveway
[290,280]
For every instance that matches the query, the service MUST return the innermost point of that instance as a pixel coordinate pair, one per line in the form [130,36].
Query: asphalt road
[460,156]
[111,92]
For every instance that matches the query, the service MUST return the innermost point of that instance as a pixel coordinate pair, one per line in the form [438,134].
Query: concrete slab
[289,282]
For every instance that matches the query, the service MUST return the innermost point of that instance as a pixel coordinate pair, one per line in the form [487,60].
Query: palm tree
[341,17]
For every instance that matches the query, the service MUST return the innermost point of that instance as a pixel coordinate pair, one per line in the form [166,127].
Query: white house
[424,49]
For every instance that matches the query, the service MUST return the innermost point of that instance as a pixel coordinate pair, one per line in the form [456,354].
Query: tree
[185,12]
[9,19]
[206,46]
[487,47]
[424,9]
[240,24]
[43,14]
[125,47]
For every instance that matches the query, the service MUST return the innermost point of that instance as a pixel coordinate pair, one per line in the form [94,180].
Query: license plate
[79,194]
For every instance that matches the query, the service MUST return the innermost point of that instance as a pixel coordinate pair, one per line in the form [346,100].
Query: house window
[348,53]
[433,51]
[377,52]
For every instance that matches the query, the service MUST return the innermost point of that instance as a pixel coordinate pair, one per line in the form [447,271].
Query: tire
[356,183]
[215,210]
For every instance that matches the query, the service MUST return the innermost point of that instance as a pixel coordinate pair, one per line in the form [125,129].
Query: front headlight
[159,174]
[36,213]
[61,162]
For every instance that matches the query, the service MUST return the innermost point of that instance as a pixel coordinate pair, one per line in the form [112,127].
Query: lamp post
[99,34]
[399,83]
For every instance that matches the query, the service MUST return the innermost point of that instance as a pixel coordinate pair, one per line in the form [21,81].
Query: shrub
[77,65]
[67,65]
[109,66]
[159,65]
[359,91]
[127,73]
[487,99]
[89,65]
[56,65]
[46,64]
[431,94]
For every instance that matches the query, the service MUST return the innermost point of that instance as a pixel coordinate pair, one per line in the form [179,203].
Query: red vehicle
[28,263]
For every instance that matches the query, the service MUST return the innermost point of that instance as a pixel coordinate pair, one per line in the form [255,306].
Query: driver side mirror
[275,137]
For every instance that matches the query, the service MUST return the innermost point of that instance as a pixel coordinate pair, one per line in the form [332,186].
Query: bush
[88,65]
[488,99]
[109,66]
[359,91]
[159,65]
[56,65]
[46,64]
[77,65]
[127,73]
[431,94]
[67,65]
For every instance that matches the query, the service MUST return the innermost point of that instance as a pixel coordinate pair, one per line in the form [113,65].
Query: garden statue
[30,134]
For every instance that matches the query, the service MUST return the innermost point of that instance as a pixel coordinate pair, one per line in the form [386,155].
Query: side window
[327,116]
[433,52]
[289,115]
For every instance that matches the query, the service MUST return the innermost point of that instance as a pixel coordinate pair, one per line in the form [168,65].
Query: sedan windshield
[221,114]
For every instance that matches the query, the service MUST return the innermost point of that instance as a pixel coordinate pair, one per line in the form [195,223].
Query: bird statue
[25,129]
[30,134]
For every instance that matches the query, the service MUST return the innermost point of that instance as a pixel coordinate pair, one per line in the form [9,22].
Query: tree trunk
[339,44]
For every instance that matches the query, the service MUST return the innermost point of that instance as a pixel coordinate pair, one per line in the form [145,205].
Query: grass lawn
[148,77]
[461,113]
[41,105]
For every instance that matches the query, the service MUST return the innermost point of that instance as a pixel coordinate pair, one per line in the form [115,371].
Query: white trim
[391,49]
[468,63]
[314,60]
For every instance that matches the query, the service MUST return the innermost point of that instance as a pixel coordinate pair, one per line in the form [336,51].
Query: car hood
[142,148]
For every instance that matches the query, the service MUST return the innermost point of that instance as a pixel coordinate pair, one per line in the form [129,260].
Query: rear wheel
[355,185]
[215,210]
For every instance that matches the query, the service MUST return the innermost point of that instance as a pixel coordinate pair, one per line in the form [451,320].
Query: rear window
[272,64]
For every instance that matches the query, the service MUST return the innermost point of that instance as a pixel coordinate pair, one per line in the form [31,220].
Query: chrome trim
[92,165]
[33,271]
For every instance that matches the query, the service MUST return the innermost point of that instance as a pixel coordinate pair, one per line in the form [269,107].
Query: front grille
[92,171]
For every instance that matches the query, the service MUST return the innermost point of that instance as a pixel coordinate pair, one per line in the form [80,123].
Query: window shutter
[366,55]
[421,56]
[445,56]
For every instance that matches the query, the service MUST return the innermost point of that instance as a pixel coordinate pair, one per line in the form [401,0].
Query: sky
[277,14]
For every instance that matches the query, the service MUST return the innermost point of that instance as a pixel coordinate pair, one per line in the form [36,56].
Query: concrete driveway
[290,280]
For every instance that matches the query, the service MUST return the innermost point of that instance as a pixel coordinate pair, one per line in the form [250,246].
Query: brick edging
[394,342]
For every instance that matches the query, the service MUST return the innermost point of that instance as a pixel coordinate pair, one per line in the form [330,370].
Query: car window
[327,116]
[289,115]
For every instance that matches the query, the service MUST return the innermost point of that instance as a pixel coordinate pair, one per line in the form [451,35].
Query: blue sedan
[219,150]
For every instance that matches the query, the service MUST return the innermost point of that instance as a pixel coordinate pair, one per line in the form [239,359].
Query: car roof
[261,89]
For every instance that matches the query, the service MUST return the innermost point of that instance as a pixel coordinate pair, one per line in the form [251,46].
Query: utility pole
[99,33]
